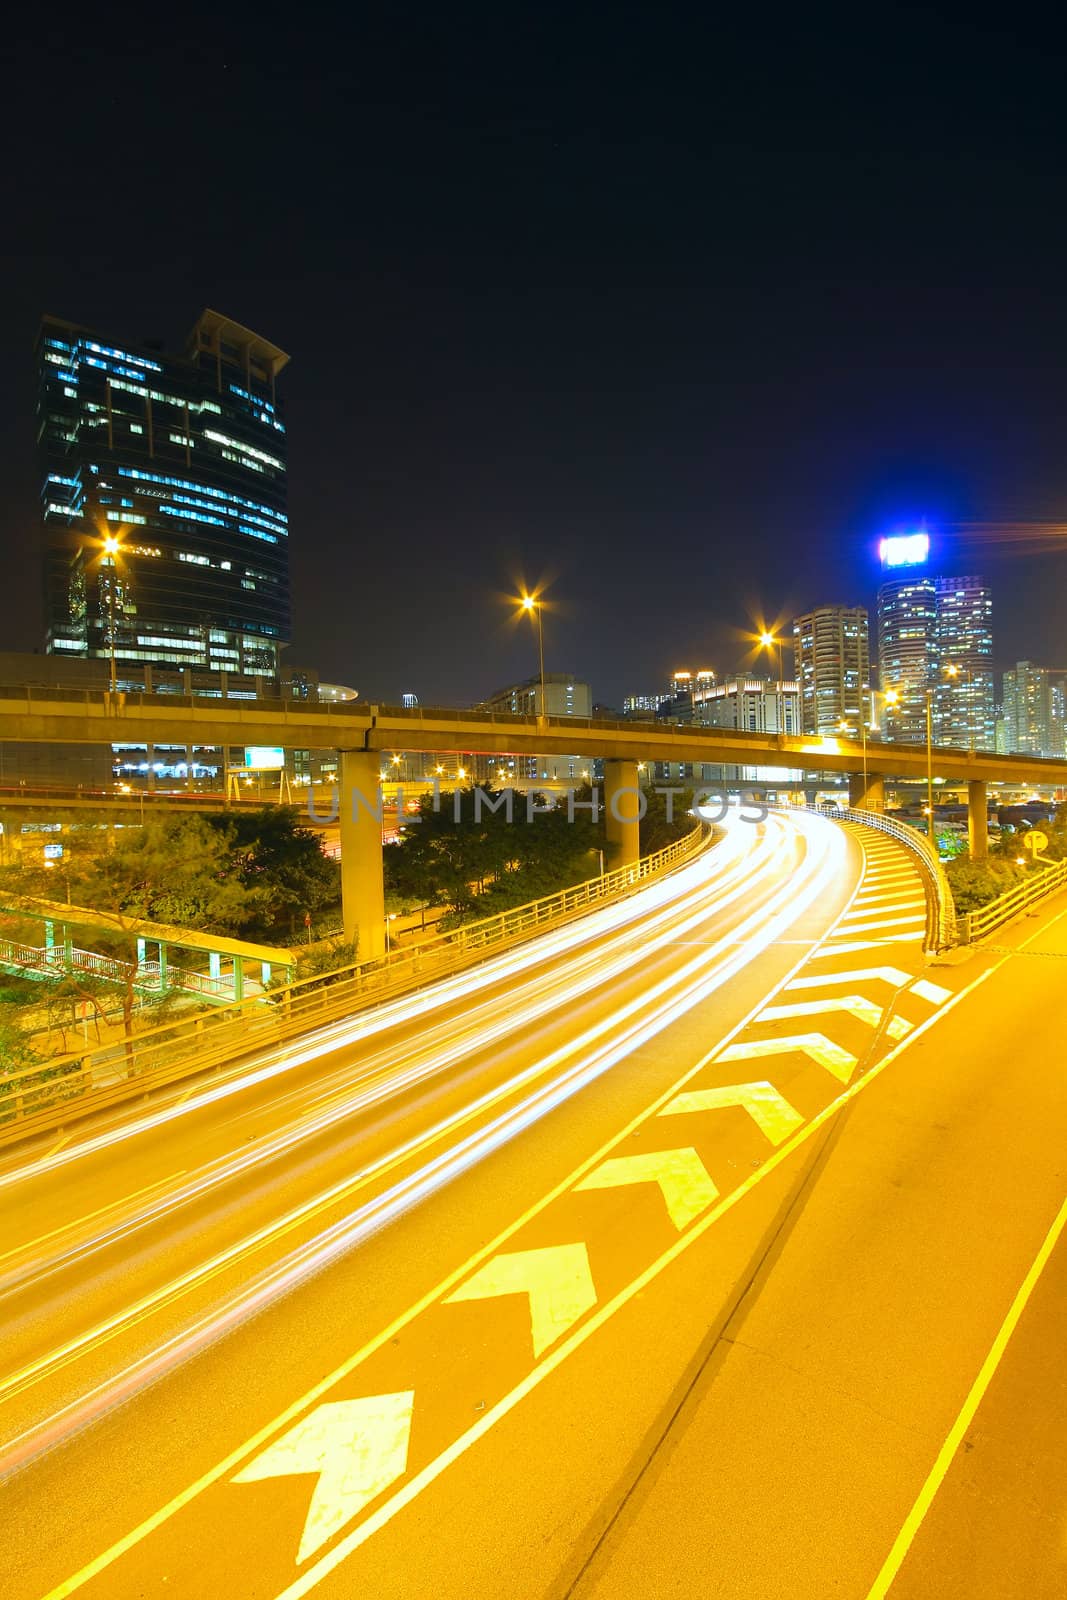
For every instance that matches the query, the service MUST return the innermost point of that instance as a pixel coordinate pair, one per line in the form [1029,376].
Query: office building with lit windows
[181,460]
[831,656]
[965,696]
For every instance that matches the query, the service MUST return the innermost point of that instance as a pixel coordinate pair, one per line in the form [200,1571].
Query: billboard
[264,757]
[905,550]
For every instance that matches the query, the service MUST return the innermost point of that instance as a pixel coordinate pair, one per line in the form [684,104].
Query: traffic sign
[1036,841]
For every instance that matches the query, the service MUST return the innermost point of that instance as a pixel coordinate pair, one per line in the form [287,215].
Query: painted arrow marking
[769,1109]
[357,1447]
[557,1279]
[892,975]
[822,1050]
[683,1179]
[854,1004]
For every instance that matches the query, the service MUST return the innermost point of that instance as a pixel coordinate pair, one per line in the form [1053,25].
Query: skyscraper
[831,656]
[907,636]
[1032,716]
[182,461]
[966,693]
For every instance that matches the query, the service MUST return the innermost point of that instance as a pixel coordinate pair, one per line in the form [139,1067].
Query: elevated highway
[363,732]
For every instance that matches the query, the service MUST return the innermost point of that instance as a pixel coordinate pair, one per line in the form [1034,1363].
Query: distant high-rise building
[564,696]
[831,657]
[642,705]
[965,697]
[1031,724]
[907,636]
[182,460]
[757,705]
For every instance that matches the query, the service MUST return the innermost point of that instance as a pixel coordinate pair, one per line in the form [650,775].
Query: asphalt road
[636,1267]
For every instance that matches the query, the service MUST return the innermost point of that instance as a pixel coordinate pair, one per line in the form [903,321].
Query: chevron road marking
[855,1004]
[769,1110]
[892,975]
[823,1051]
[883,906]
[557,1279]
[682,1177]
[846,948]
[931,991]
[868,924]
[357,1448]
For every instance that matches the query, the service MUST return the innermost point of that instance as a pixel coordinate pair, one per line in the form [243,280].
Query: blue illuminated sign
[905,550]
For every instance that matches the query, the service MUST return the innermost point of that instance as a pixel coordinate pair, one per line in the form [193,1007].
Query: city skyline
[681,366]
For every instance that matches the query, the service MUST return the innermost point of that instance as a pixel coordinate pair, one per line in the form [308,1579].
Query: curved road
[247,1325]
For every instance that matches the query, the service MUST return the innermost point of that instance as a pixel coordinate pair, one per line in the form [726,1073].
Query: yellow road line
[946,1455]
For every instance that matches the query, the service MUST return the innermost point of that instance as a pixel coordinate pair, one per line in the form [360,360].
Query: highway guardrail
[941,929]
[975,925]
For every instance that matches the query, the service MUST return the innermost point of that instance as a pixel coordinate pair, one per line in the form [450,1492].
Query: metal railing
[54,961]
[975,925]
[941,929]
[35,1099]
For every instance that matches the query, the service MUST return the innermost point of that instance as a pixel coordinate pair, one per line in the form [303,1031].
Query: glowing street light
[952,670]
[111,549]
[769,642]
[532,606]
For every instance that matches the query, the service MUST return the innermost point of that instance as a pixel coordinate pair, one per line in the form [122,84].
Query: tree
[477,860]
[170,870]
[281,866]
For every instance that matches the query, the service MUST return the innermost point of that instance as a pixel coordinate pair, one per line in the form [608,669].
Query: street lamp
[931,829]
[769,642]
[532,606]
[112,548]
[843,727]
[954,671]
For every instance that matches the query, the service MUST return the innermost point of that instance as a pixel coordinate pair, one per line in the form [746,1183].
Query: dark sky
[676,309]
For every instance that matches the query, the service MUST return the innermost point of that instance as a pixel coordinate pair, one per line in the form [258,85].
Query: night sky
[677,311]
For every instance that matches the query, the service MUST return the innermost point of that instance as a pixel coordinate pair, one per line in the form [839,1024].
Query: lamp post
[769,642]
[930,828]
[954,671]
[111,548]
[533,608]
[844,727]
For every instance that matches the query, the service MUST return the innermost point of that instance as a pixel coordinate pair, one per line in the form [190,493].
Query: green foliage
[483,862]
[975,883]
[16,1051]
[657,829]
[322,959]
[281,869]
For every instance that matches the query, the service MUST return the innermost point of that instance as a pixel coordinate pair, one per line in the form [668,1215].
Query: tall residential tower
[831,655]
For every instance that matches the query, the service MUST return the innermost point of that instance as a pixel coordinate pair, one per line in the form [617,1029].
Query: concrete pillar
[866,795]
[978,819]
[622,812]
[362,885]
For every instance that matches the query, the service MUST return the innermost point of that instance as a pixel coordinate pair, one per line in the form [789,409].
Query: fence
[975,925]
[940,907]
[34,1099]
[52,961]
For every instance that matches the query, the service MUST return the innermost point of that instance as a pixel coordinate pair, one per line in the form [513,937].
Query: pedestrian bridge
[363,732]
